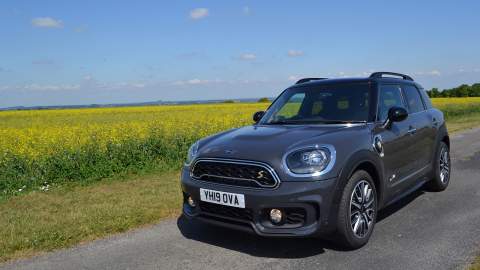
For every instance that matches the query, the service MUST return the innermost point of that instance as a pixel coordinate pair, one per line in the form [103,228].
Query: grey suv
[322,160]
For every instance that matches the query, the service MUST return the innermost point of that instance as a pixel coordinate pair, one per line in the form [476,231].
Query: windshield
[339,103]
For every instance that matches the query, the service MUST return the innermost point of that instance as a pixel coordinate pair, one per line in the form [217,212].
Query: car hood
[264,143]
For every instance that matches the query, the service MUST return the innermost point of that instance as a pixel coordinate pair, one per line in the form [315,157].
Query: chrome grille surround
[242,182]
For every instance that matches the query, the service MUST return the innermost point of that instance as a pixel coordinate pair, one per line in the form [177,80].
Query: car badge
[260,175]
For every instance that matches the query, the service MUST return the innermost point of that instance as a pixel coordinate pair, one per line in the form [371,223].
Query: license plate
[223,198]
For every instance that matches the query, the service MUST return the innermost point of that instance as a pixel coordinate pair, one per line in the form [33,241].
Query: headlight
[310,161]
[192,153]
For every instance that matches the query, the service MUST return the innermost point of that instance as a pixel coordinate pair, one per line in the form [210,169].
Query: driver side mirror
[395,114]
[258,115]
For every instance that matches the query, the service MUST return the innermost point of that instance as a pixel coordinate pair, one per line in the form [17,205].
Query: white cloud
[428,73]
[197,82]
[248,56]
[138,85]
[246,10]
[295,53]
[50,87]
[198,13]
[191,82]
[294,78]
[434,73]
[119,85]
[47,22]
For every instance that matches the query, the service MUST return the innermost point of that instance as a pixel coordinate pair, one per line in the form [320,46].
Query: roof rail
[381,73]
[304,80]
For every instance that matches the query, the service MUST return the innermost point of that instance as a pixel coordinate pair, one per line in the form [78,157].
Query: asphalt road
[424,231]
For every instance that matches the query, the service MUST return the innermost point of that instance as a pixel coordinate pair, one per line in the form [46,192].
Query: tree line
[463,90]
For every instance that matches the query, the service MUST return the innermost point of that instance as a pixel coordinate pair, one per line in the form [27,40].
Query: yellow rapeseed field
[42,132]
[44,146]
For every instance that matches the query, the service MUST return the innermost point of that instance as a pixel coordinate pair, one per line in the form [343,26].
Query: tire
[351,229]
[442,169]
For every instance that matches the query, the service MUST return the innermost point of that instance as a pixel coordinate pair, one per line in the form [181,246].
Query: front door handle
[412,131]
[434,122]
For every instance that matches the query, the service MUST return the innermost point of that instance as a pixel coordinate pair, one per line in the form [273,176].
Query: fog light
[276,216]
[191,202]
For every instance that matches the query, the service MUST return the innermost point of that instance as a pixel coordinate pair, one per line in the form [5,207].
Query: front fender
[367,160]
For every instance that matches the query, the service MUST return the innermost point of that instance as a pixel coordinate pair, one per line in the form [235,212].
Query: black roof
[375,77]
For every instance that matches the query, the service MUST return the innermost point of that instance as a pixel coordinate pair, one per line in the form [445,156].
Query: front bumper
[309,201]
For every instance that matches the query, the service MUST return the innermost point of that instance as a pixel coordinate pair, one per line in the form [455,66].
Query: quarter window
[413,98]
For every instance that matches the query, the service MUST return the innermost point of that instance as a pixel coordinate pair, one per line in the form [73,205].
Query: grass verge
[463,123]
[70,214]
[476,264]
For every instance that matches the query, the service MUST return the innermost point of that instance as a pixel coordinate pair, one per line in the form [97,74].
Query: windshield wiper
[341,121]
[283,122]
[310,121]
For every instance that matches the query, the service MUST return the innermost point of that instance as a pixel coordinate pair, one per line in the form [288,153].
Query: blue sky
[81,52]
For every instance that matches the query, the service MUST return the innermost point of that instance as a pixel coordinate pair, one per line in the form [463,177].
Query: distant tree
[433,93]
[229,101]
[462,91]
[445,93]
[475,90]
[264,100]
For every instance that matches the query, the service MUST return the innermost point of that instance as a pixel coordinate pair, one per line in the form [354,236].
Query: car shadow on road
[250,243]
[395,207]
[258,246]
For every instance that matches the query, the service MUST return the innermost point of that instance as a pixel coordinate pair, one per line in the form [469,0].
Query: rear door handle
[412,131]
[434,122]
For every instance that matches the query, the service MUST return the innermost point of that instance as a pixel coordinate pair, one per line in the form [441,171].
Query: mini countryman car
[322,160]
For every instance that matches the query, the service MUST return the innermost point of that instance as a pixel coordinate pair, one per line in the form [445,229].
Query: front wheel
[357,210]
[442,169]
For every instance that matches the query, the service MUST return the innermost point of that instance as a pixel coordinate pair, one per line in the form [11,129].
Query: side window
[292,107]
[390,96]
[425,97]
[413,99]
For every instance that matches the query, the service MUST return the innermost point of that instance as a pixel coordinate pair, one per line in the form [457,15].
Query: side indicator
[378,145]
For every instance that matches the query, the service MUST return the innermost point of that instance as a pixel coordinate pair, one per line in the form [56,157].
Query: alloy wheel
[362,209]
[444,165]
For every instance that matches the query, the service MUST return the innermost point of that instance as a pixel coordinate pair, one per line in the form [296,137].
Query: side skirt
[407,192]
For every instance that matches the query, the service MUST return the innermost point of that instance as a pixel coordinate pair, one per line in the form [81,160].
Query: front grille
[235,173]
[244,214]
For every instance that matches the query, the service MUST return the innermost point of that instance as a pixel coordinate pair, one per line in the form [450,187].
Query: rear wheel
[442,169]
[357,210]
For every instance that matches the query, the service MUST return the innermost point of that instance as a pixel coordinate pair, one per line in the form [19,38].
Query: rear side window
[390,96]
[414,101]
[426,99]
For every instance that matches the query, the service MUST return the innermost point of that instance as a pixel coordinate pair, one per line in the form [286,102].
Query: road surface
[424,231]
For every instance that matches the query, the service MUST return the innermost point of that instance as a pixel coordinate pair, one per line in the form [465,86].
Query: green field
[51,162]
[43,148]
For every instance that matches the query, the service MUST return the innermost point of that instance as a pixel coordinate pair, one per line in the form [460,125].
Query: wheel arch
[442,135]
[368,161]
[446,140]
